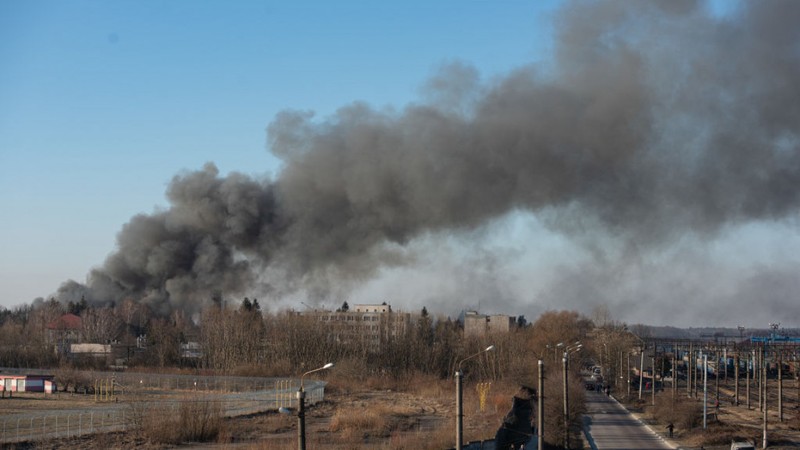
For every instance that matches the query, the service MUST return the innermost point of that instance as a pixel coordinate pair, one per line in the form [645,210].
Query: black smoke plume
[650,121]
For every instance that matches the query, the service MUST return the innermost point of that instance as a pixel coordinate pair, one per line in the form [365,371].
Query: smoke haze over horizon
[622,171]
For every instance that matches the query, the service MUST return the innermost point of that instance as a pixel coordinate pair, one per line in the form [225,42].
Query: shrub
[371,420]
[684,413]
[194,421]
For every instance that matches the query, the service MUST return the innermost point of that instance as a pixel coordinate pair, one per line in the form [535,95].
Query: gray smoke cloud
[651,121]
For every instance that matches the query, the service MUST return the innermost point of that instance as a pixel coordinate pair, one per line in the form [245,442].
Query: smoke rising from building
[651,121]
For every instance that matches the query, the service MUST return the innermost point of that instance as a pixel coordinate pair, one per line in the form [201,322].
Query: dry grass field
[413,413]
[384,413]
[730,423]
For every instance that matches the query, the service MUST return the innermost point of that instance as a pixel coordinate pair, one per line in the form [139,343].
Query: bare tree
[37,338]
[100,325]
[134,315]
[232,338]
[164,342]
[557,327]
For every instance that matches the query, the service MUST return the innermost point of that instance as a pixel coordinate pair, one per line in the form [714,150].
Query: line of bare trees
[246,338]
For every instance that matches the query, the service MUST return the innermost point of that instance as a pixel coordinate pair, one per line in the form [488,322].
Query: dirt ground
[733,422]
[412,417]
[413,420]
[742,424]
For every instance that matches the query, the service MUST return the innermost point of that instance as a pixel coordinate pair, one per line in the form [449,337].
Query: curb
[587,437]
[666,441]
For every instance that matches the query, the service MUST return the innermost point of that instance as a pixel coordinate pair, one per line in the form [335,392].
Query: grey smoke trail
[653,120]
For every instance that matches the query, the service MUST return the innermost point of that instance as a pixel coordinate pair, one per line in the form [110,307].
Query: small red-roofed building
[63,332]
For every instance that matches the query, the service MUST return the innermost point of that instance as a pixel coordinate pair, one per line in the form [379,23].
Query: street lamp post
[573,348]
[301,408]
[459,397]
[653,374]
[540,410]
[566,400]
[641,373]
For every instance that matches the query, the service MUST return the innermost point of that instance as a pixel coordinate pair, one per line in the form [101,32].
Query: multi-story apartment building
[366,324]
[482,325]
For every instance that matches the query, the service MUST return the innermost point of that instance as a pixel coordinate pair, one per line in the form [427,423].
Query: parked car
[742,446]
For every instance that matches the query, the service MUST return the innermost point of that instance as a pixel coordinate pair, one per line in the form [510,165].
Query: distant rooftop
[65,322]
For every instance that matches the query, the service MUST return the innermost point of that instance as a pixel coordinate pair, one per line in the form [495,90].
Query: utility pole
[674,371]
[696,374]
[780,387]
[764,377]
[753,365]
[629,374]
[796,378]
[725,364]
[705,392]
[760,380]
[716,381]
[736,378]
[689,370]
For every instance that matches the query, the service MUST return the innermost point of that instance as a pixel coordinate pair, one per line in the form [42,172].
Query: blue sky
[102,103]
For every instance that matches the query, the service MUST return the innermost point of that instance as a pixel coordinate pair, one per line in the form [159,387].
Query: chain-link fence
[152,381]
[137,395]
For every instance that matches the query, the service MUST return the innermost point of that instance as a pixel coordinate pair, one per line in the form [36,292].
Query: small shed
[27,383]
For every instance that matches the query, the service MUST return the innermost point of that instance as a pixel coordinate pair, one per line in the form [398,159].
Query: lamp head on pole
[572,348]
[325,367]
[487,349]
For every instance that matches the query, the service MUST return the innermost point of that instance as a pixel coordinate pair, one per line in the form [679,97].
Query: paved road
[609,426]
